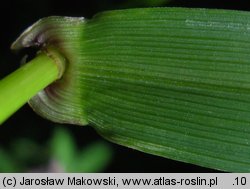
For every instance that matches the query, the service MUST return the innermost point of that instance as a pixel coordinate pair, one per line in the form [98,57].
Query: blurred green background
[28,143]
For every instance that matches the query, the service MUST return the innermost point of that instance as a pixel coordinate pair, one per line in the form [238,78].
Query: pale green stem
[21,85]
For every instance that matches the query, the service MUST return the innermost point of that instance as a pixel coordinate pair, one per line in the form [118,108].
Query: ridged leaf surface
[172,82]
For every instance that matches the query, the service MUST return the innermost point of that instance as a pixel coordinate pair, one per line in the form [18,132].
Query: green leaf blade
[172,82]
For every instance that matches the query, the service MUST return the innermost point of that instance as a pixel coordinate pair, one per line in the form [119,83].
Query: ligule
[172,82]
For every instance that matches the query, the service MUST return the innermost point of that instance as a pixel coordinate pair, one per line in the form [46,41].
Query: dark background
[16,16]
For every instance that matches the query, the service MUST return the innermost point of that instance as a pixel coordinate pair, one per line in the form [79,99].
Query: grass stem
[21,85]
